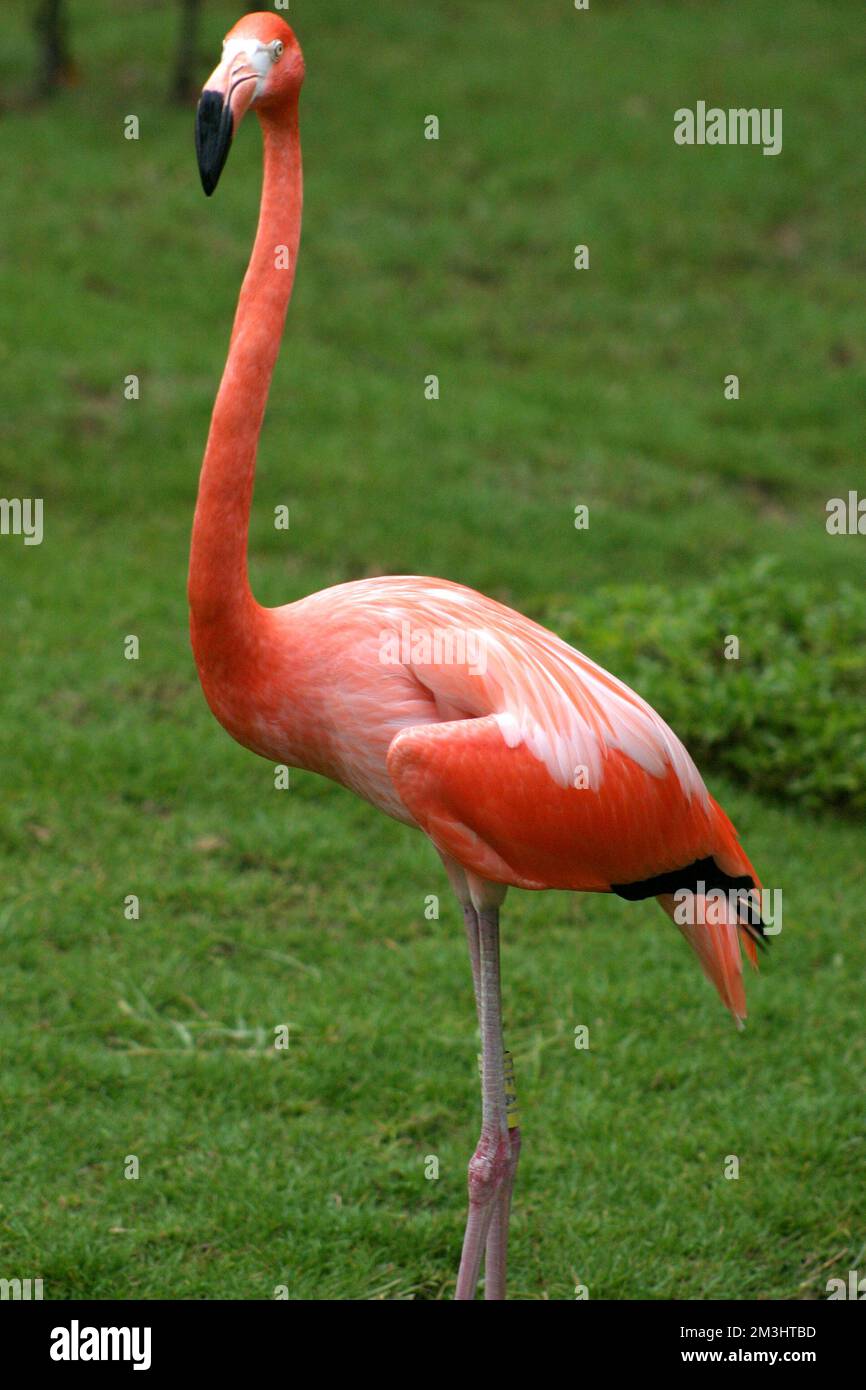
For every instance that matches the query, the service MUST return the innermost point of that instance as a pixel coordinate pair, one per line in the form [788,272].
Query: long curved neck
[221,602]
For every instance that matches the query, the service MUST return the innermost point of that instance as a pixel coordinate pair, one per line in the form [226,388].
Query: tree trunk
[183,84]
[55,60]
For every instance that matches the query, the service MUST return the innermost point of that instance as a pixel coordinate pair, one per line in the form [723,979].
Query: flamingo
[525,763]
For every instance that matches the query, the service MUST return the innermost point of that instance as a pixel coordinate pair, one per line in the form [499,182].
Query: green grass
[259,908]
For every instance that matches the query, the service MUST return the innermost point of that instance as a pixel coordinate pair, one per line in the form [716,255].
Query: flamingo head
[261,66]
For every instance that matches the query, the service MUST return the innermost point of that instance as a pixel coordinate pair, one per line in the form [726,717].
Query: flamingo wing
[548,772]
[565,774]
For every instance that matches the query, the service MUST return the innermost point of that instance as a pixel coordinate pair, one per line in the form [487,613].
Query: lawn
[305,1167]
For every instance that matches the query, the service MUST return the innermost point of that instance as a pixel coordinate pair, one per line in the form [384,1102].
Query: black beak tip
[213,138]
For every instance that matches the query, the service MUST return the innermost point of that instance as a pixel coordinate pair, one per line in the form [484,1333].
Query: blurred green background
[707,517]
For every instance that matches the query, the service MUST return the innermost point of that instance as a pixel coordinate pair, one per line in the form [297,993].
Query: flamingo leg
[496,1255]
[470,919]
[490,1165]
[496,1252]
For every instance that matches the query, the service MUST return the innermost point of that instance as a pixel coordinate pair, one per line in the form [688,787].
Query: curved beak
[226,96]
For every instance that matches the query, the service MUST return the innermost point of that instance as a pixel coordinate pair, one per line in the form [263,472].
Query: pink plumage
[525,763]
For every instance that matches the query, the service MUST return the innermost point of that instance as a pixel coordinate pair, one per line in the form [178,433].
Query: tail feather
[713,936]
[732,858]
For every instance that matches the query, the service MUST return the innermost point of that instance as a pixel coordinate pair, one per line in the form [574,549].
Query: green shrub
[788,717]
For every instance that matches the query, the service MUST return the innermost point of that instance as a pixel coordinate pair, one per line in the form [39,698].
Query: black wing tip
[707,873]
[756,931]
[752,923]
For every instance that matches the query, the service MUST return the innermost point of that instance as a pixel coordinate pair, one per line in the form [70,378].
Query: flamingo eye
[276,49]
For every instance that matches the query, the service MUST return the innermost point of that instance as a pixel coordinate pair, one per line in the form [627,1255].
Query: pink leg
[491,1164]
[495,1259]
[470,920]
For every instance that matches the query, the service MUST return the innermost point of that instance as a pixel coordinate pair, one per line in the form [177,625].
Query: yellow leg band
[512,1114]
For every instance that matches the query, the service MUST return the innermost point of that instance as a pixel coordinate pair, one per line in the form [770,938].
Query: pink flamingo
[524,762]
